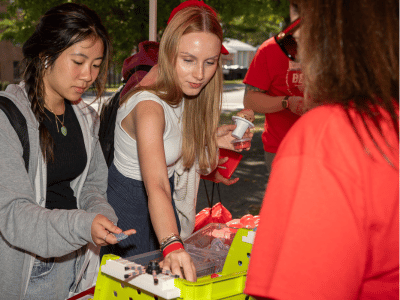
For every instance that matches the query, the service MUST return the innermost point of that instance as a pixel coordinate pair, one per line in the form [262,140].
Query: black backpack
[108,117]
[17,121]
[134,69]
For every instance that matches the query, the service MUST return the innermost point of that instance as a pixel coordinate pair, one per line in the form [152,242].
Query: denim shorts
[53,278]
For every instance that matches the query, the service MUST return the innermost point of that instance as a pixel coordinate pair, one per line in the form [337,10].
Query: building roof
[237,45]
[230,49]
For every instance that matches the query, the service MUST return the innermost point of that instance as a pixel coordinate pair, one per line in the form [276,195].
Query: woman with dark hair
[329,225]
[54,217]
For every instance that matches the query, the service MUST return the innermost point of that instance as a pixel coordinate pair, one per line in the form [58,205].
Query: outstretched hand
[178,259]
[101,231]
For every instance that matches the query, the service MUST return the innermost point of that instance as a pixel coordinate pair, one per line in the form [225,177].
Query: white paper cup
[241,126]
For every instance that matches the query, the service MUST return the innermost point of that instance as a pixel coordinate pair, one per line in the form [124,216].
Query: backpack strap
[17,121]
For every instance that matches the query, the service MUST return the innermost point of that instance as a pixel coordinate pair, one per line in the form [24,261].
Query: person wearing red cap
[174,118]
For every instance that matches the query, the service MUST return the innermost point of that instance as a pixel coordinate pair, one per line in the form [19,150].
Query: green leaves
[127,21]
[252,21]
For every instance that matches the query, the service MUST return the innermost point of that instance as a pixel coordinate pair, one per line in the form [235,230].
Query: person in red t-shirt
[329,226]
[274,87]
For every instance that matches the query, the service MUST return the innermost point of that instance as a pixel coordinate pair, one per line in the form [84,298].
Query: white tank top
[126,154]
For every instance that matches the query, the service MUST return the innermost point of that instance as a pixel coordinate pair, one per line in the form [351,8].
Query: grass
[112,90]
[236,81]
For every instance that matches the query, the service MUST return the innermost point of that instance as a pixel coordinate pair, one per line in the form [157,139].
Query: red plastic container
[241,144]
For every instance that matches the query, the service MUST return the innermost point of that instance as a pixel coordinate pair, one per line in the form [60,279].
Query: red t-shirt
[272,71]
[329,226]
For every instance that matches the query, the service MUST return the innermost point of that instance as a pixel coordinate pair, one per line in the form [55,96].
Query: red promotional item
[217,214]
[247,221]
[235,223]
[230,165]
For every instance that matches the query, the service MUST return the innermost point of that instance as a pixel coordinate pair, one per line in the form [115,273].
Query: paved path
[247,194]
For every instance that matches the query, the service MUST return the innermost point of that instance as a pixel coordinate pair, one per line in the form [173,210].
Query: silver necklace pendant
[64,130]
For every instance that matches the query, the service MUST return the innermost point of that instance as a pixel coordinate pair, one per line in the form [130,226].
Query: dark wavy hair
[350,57]
[60,27]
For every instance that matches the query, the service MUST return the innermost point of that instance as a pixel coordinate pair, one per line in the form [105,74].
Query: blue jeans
[52,278]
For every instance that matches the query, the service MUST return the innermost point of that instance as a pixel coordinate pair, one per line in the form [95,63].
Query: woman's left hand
[178,259]
[225,138]
[217,177]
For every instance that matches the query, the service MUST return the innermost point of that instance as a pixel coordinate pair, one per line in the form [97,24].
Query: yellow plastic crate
[228,285]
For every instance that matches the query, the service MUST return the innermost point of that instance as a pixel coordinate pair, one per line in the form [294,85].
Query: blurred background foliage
[127,21]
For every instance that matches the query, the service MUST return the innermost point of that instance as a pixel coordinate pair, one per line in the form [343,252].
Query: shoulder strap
[108,118]
[17,121]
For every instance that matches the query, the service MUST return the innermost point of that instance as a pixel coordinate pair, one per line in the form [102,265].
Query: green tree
[127,20]
[252,21]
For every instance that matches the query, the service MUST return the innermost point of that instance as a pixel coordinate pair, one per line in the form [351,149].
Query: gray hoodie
[27,228]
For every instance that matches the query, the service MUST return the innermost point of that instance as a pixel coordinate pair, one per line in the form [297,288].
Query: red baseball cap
[200,4]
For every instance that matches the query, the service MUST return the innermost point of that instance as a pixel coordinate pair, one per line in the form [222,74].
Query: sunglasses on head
[286,41]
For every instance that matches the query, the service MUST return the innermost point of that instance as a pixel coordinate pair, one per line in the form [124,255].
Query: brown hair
[61,27]
[201,113]
[350,56]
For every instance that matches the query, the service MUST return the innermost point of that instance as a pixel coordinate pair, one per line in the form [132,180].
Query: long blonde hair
[201,113]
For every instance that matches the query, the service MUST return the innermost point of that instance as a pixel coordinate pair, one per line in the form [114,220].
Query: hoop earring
[46,63]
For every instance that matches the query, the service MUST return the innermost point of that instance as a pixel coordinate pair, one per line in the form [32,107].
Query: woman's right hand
[178,259]
[101,231]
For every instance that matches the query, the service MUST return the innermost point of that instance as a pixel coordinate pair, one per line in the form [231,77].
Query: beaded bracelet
[169,242]
[169,238]
[172,247]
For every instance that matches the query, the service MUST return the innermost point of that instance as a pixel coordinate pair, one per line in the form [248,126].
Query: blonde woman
[176,117]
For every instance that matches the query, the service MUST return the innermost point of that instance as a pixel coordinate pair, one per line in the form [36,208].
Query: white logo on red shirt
[294,79]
